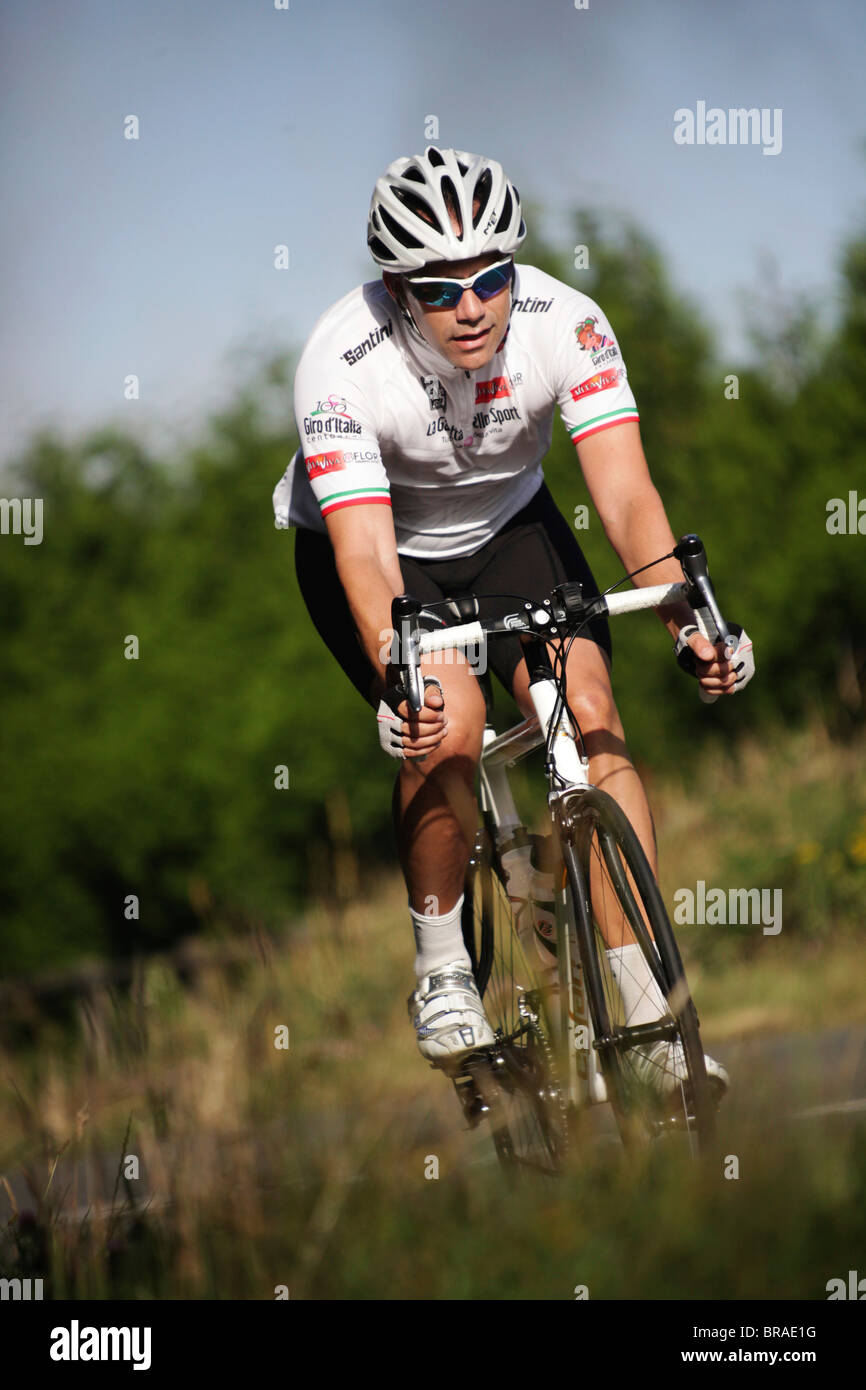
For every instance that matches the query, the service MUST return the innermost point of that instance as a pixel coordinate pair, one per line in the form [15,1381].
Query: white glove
[391,724]
[742,659]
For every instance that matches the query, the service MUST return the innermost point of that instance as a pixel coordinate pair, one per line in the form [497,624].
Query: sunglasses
[437,293]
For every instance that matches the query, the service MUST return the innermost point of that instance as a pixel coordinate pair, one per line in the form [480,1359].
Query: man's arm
[635,523]
[365,551]
[631,511]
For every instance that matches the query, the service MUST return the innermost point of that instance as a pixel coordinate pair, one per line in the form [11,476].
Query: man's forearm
[639,534]
[369,587]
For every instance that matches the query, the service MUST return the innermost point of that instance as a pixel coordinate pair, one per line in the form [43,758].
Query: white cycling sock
[641,996]
[438,940]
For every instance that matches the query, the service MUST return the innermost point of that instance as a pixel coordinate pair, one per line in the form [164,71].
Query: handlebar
[558,616]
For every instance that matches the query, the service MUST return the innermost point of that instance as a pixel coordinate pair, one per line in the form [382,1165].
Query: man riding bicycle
[424,403]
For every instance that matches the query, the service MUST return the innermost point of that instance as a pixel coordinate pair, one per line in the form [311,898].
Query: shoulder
[351,329]
[540,299]
[561,324]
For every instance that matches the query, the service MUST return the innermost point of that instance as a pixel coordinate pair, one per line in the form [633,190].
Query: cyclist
[424,403]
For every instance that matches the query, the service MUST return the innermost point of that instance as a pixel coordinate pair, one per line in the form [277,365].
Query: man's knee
[465,711]
[594,708]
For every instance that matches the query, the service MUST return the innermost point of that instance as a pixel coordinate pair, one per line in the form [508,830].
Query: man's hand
[697,655]
[405,733]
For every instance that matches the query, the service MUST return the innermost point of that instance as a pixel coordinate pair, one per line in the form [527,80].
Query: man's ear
[391,282]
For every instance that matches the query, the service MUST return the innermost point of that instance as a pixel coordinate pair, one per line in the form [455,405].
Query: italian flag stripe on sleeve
[356,497]
[604,422]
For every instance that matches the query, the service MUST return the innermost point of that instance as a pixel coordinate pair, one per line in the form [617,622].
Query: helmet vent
[482,195]
[400,233]
[505,218]
[452,203]
[414,173]
[419,206]
[434,156]
[464,168]
[379,249]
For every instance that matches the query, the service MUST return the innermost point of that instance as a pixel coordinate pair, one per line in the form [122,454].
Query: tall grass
[336,1167]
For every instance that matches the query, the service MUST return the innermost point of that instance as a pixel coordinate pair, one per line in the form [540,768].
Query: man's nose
[470,306]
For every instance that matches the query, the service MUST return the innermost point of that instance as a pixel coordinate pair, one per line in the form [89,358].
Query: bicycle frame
[568,775]
[582,1081]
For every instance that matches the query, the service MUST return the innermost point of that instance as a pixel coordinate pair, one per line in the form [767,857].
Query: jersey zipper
[467,409]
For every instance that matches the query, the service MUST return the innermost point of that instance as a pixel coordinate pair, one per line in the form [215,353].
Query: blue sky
[261,126]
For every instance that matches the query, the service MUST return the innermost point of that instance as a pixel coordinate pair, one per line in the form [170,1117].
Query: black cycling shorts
[532,553]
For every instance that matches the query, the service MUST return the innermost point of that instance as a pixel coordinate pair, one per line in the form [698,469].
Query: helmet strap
[400,299]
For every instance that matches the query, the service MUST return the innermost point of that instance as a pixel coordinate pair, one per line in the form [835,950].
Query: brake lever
[691,554]
[404,611]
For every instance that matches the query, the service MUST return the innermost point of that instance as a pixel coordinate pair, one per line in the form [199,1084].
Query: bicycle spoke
[526,1109]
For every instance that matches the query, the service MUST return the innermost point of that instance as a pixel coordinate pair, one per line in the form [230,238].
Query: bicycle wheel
[617,901]
[519,1087]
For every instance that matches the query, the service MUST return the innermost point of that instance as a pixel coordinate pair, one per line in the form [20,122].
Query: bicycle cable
[561,649]
[560,674]
[670,556]
[560,670]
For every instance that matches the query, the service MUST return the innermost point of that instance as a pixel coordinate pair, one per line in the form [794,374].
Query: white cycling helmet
[410,212]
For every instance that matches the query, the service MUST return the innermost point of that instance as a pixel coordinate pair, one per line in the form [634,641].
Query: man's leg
[591,699]
[610,767]
[434,800]
[435,814]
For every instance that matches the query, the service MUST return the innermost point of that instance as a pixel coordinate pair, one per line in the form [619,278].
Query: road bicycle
[564,1039]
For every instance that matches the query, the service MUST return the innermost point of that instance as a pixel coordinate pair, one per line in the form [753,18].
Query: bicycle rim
[653,1067]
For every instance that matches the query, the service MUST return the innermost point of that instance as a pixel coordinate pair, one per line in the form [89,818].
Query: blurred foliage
[155,776]
[753,476]
[786,814]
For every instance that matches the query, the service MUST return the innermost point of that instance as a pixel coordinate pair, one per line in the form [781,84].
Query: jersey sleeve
[591,381]
[342,460]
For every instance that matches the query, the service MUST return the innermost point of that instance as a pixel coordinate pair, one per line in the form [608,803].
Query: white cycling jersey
[384,418]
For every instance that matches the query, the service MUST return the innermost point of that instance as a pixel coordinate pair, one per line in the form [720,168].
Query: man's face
[469,334]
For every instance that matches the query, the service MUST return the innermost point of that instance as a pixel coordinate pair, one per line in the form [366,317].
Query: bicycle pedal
[475,1107]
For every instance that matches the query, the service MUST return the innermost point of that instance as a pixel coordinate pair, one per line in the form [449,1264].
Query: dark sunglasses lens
[492,282]
[439,295]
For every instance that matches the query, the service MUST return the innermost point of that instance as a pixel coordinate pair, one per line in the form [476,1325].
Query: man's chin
[473,358]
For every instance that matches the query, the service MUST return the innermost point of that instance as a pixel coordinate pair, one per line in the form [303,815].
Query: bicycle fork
[585,1081]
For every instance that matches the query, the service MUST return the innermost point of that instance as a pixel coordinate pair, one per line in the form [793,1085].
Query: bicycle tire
[527,1111]
[597,837]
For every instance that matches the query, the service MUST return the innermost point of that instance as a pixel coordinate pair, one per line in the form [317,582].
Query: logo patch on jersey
[486,391]
[602,381]
[361,456]
[330,417]
[324,463]
[588,336]
[601,347]
[435,391]
[337,404]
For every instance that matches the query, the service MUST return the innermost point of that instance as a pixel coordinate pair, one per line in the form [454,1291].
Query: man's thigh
[328,606]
